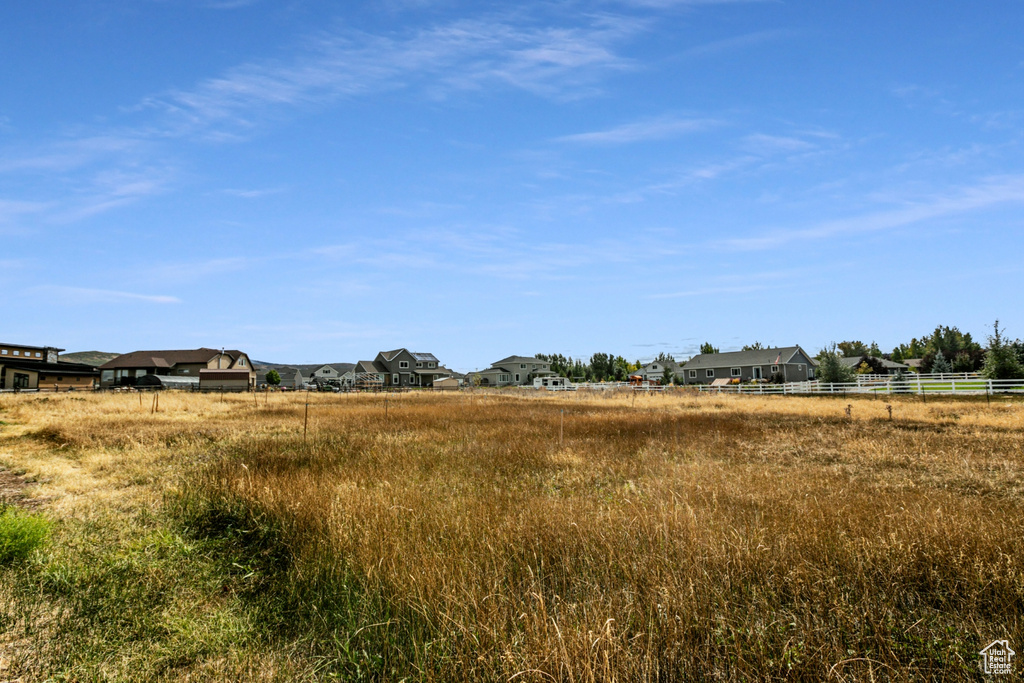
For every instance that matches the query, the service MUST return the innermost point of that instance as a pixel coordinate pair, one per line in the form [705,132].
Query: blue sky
[316,181]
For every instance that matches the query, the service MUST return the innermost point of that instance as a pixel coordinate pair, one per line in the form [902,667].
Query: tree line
[945,349]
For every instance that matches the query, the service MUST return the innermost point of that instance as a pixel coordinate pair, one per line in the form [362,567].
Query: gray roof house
[512,371]
[792,362]
[891,367]
[291,378]
[404,368]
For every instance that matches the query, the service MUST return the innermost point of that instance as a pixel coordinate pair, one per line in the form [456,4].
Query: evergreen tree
[273,378]
[706,347]
[756,346]
[1001,361]
[940,364]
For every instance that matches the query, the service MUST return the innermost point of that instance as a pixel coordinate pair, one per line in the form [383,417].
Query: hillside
[93,358]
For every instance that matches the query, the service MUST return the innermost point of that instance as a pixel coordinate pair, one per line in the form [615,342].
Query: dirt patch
[12,491]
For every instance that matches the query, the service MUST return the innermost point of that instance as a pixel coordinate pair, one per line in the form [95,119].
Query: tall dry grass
[661,538]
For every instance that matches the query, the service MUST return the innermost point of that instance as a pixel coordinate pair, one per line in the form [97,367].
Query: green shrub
[20,534]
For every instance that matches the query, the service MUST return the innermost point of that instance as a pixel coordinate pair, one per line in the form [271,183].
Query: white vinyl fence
[883,384]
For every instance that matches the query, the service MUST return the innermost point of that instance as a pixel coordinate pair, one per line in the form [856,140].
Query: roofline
[34,348]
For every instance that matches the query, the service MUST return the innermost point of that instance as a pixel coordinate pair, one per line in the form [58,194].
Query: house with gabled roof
[791,363]
[127,368]
[655,371]
[889,367]
[404,368]
[512,371]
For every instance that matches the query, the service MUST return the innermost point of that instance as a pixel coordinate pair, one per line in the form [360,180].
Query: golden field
[526,537]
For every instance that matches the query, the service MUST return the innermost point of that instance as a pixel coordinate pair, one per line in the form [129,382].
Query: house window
[522,366]
[241,362]
[17,353]
[693,374]
[502,378]
[403,364]
[775,368]
[517,376]
[394,379]
[419,364]
[431,365]
[3,353]
[38,355]
[800,367]
[736,372]
[710,372]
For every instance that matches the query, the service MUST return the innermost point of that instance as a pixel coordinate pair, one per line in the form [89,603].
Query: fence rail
[881,385]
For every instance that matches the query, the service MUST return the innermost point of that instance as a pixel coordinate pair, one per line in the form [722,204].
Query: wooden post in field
[561,427]
[153,407]
[305,422]
[140,398]
[385,408]
[255,400]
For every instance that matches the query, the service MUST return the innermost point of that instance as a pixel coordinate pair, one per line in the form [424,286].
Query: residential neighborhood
[946,354]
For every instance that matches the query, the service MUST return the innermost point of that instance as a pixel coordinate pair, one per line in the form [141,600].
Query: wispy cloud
[771,144]
[466,55]
[651,129]
[85,295]
[67,155]
[13,209]
[737,42]
[1009,189]
[253,194]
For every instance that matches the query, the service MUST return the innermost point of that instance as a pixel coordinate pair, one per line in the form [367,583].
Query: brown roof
[166,359]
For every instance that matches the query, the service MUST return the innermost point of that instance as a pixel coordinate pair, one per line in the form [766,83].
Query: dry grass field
[502,537]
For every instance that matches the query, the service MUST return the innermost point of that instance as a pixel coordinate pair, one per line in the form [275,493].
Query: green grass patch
[20,534]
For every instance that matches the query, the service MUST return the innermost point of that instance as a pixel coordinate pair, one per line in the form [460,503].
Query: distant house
[891,367]
[404,368]
[512,371]
[447,383]
[300,376]
[792,363]
[35,367]
[126,369]
[346,373]
[655,371]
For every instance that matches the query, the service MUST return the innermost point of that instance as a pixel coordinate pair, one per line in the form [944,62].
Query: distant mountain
[93,358]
